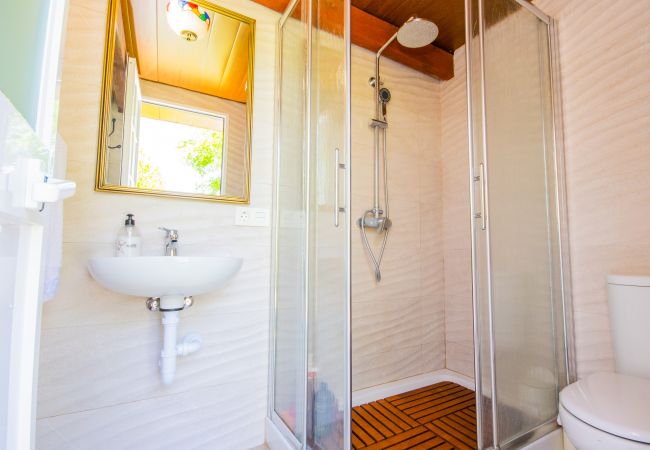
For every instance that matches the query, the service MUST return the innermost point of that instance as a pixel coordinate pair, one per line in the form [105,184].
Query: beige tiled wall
[99,385]
[456,233]
[605,64]
[398,325]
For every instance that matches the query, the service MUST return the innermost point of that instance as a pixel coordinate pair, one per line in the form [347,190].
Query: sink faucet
[171,241]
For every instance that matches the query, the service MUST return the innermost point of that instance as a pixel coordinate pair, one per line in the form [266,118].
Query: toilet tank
[629,311]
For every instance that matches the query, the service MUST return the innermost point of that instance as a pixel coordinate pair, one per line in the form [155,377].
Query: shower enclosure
[522,332]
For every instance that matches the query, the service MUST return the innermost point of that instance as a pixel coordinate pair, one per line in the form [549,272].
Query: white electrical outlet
[252,217]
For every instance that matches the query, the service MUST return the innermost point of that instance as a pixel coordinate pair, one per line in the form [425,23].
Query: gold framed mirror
[176,104]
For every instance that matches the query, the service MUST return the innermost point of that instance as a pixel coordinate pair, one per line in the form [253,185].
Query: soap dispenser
[128,241]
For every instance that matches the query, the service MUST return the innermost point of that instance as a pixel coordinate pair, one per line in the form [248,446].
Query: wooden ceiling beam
[371,32]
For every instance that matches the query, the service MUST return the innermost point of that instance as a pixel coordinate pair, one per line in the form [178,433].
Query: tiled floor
[440,416]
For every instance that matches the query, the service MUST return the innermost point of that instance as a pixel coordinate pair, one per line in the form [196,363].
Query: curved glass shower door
[518,230]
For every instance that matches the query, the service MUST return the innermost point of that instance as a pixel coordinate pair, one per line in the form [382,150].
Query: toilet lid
[617,404]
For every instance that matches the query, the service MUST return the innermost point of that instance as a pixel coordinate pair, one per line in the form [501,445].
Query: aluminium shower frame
[480,148]
[273,419]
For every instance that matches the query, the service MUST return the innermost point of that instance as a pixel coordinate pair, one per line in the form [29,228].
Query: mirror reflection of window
[184,78]
[180,149]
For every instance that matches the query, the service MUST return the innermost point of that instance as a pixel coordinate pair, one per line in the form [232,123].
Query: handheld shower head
[416,33]
[384,95]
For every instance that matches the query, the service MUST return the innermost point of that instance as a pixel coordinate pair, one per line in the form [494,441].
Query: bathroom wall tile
[84,59]
[594,352]
[459,334]
[429,122]
[48,438]
[386,325]
[96,366]
[458,320]
[404,176]
[462,357]
[624,221]
[81,124]
[224,417]
[458,303]
[431,185]
[432,318]
[455,159]
[431,265]
[458,273]
[432,357]
[379,368]
[456,216]
[604,53]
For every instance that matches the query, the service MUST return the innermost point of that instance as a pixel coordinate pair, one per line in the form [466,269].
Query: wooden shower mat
[440,416]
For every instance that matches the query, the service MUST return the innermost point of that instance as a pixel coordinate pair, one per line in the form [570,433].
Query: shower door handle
[480,178]
[483,193]
[337,167]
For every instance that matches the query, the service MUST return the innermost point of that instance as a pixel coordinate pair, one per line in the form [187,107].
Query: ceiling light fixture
[187,19]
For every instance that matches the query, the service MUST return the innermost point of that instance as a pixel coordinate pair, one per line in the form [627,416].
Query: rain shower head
[416,33]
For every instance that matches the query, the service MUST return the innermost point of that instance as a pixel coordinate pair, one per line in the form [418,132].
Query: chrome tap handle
[172,234]
[171,241]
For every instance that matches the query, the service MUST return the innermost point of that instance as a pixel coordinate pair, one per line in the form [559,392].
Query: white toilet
[611,411]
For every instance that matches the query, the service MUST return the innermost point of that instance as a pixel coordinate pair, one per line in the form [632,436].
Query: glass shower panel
[523,233]
[329,231]
[480,272]
[291,226]
[518,282]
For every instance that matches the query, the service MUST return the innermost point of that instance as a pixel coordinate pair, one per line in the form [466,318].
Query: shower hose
[376,259]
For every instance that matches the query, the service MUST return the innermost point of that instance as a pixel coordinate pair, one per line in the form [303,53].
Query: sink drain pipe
[172,349]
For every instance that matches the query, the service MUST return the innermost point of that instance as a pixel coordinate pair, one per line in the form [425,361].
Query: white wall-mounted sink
[162,276]
[172,279]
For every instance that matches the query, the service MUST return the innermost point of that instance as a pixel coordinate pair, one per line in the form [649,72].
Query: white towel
[53,233]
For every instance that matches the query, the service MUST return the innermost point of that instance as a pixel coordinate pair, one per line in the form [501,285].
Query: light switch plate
[252,217]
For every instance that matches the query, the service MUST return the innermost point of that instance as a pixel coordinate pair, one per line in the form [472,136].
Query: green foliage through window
[148,174]
[205,155]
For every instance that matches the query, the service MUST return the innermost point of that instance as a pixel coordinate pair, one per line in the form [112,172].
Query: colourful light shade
[187,19]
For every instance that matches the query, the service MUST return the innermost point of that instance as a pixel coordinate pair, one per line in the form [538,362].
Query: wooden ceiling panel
[371,32]
[237,67]
[144,15]
[374,21]
[219,51]
[205,66]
